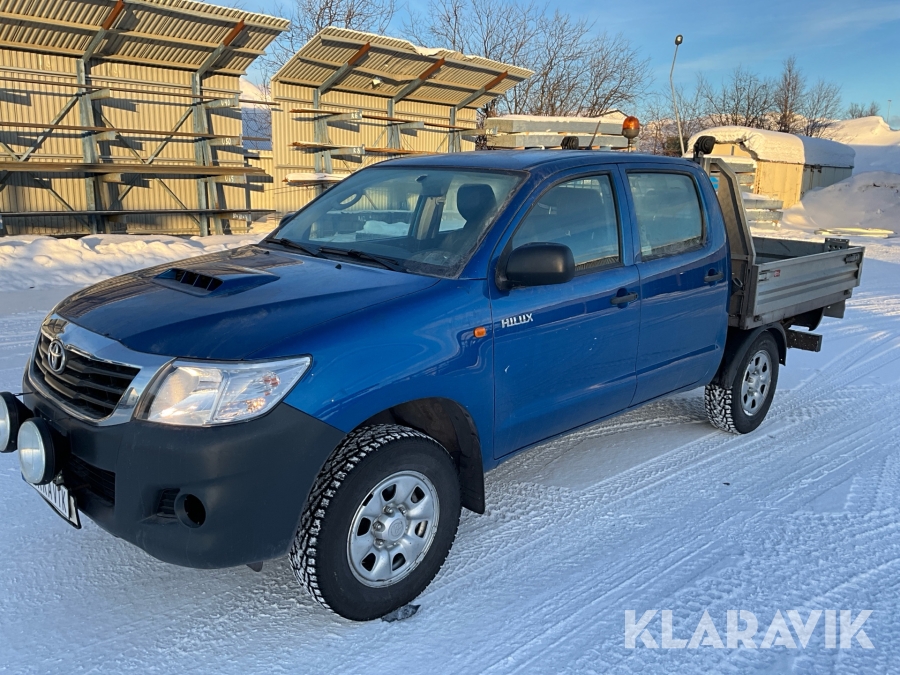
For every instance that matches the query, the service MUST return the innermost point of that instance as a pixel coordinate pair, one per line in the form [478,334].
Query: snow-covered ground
[654,510]
[867,201]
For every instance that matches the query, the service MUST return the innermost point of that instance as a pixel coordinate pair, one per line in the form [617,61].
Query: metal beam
[9,151]
[232,35]
[116,167]
[89,148]
[211,59]
[49,128]
[202,154]
[342,72]
[108,23]
[96,129]
[474,96]
[131,90]
[127,212]
[418,82]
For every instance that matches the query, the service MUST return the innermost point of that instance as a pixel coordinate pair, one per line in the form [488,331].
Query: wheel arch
[738,343]
[451,425]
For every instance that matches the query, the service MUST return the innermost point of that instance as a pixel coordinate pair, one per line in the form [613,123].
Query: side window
[581,214]
[668,214]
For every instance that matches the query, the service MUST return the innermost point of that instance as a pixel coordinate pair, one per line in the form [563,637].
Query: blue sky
[855,43]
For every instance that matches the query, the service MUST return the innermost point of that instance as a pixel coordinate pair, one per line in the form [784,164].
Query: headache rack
[779,280]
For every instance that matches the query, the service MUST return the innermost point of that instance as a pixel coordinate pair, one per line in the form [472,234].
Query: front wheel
[379,522]
[740,406]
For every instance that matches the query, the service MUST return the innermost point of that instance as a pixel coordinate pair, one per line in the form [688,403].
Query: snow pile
[38,262]
[877,145]
[868,201]
[774,146]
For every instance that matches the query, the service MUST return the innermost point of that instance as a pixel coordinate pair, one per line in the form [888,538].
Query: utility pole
[678,40]
[888,120]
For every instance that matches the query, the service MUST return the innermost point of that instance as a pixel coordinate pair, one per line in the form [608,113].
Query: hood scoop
[213,280]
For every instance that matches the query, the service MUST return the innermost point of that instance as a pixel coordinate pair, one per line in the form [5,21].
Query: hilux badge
[516,320]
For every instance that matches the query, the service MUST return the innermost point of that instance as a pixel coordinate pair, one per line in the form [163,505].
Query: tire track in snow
[675,464]
[564,613]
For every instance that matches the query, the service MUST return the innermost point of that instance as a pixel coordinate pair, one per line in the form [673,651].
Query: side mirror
[540,264]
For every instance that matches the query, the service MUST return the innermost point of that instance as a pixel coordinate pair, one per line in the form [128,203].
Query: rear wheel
[741,405]
[379,522]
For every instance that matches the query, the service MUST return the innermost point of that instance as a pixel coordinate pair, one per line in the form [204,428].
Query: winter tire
[741,406]
[379,522]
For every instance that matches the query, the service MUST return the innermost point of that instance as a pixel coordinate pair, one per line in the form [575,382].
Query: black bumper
[252,479]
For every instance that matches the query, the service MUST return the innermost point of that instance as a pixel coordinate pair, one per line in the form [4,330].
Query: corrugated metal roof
[397,63]
[174,33]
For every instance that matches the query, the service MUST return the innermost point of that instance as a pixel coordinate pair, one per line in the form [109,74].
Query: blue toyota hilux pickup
[336,392]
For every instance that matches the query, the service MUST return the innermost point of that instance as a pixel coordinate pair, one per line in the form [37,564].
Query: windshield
[419,220]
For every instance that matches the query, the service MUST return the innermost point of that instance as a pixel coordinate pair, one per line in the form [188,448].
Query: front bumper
[252,478]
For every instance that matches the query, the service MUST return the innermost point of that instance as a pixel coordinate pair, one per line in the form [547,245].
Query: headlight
[201,394]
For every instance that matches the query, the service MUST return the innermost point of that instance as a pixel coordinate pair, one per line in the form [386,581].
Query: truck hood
[231,304]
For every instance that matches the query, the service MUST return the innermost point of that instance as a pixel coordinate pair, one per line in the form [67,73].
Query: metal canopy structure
[346,60]
[66,119]
[180,34]
[348,99]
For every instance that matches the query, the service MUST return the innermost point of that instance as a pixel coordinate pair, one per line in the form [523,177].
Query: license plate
[62,502]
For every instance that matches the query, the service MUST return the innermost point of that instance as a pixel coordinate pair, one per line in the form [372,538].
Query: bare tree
[857,110]
[308,17]
[659,132]
[578,71]
[788,98]
[743,99]
[502,30]
[820,108]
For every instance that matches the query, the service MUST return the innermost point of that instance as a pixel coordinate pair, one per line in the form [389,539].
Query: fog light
[12,414]
[190,510]
[36,456]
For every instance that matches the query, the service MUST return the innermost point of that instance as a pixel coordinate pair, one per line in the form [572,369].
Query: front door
[564,355]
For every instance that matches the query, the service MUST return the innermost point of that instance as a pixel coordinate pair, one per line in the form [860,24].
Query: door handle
[712,276]
[623,299]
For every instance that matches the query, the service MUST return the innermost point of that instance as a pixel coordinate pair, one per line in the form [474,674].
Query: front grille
[79,475]
[91,386]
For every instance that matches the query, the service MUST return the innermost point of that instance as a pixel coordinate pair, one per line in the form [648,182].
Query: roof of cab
[523,160]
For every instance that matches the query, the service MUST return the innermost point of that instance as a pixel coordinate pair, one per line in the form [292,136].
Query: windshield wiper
[287,243]
[387,263]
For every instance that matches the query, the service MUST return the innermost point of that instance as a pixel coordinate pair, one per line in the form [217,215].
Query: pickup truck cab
[337,391]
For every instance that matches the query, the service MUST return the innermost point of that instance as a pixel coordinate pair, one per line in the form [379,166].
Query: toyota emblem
[56,356]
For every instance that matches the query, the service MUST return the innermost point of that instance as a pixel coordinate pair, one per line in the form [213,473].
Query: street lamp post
[888,120]
[678,40]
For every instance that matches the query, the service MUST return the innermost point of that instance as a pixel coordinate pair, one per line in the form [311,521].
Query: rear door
[683,269]
[564,355]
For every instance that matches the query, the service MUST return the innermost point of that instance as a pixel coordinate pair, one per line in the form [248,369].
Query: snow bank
[877,146]
[774,146]
[38,262]
[867,200]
